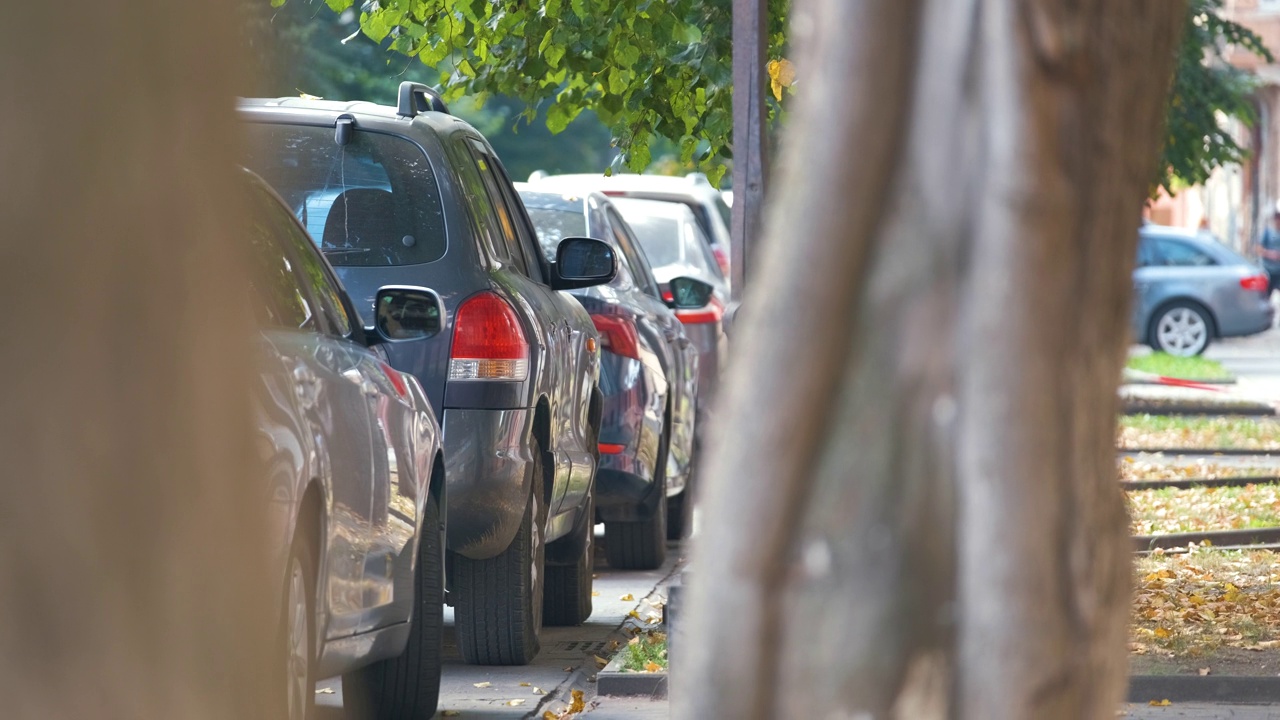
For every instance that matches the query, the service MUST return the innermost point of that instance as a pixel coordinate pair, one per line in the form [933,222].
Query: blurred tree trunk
[131,523]
[912,509]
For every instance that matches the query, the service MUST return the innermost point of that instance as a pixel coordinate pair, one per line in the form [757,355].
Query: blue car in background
[1189,290]
[648,376]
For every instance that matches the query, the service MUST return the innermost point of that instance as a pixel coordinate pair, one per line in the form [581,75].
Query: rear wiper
[336,250]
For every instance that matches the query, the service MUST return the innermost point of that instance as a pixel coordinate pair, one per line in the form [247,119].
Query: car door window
[479,205]
[524,227]
[632,253]
[282,301]
[503,213]
[310,269]
[1174,253]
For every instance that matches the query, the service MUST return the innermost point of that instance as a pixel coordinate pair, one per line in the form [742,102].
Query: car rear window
[1174,253]
[371,202]
[659,236]
[553,226]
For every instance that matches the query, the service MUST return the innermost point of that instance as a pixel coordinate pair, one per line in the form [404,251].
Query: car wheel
[570,562]
[407,687]
[1181,328]
[642,545]
[498,611]
[679,522]
[298,632]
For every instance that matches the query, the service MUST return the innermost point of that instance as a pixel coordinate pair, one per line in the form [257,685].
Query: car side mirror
[689,294]
[583,262]
[406,312]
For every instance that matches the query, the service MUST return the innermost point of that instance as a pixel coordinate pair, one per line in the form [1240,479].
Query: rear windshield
[553,226]
[373,202]
[659,236]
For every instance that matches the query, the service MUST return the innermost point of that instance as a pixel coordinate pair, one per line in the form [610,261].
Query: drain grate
[577,648]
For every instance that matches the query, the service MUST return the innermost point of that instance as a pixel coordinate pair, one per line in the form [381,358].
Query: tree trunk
[132,525]
[911,510]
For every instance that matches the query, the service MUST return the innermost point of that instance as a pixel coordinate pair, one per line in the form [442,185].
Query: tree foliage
[648,68]
[1207,88]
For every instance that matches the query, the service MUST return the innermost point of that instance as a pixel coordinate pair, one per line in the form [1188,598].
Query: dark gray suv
[410,195]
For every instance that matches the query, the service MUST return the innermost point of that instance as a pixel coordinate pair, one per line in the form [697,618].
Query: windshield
[659,236]
[372,202]
[553,226]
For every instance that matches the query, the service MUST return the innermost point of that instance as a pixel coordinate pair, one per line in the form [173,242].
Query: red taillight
[722,259]
[1257,283]
[397,380]
[611,449]
[712,313]
[615,193]
[618,335]
[488,342]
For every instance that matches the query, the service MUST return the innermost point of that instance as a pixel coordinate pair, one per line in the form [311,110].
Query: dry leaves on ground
[1191,604]
[1170,510]
[1171,431]
[1142,469]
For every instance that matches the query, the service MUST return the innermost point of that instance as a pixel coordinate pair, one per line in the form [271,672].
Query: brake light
[397,380]
[615,193]
[611,448]
[722,259]
[488,341]
[1257,283]
[618,335]
[712,313]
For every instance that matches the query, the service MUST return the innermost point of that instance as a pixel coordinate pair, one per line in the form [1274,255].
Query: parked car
[648,376]
[675,247]
[1189,290]
[356,481]
[410,195]
[693,191]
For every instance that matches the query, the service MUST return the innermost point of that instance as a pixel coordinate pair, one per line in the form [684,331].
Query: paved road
[1254,360]
[1203,711]
[567,660]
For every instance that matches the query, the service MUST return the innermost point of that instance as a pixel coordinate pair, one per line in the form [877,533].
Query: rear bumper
[488,473]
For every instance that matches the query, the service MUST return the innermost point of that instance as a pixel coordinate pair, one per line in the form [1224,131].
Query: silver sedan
[1190,289]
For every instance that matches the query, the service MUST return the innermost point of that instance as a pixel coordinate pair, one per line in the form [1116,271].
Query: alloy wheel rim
[299,645]
[1182,331]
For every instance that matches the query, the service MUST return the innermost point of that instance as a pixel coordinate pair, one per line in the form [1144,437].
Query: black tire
[642,545]
[1189,342]
[678,515]
[407,687]
[299,703]
[567,598]
[498,610]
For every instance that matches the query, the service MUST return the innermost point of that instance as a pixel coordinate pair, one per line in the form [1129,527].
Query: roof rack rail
[416,98]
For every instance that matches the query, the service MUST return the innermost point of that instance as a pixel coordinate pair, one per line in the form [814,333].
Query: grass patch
[1182,431]
[1183,368]
[1170,510]
[646,652]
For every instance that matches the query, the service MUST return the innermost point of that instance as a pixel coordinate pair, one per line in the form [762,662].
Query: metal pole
[750,45]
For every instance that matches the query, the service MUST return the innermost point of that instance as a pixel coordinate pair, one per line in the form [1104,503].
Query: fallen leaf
[577,705]
[1160,703]
[1204,671]
[601,661]
[595,593]
[325,691]
[525,684]
[451,713]
[539,691]
[652,666]
[627,598]
[634,614]
[484,684]
[515,703]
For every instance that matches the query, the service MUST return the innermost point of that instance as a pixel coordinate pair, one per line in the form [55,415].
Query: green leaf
[554,54]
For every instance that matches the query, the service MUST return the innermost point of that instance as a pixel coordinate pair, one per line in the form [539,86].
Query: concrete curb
[613,681]
[1236,689]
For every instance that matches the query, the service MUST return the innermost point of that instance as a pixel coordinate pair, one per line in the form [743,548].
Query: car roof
[303,108]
